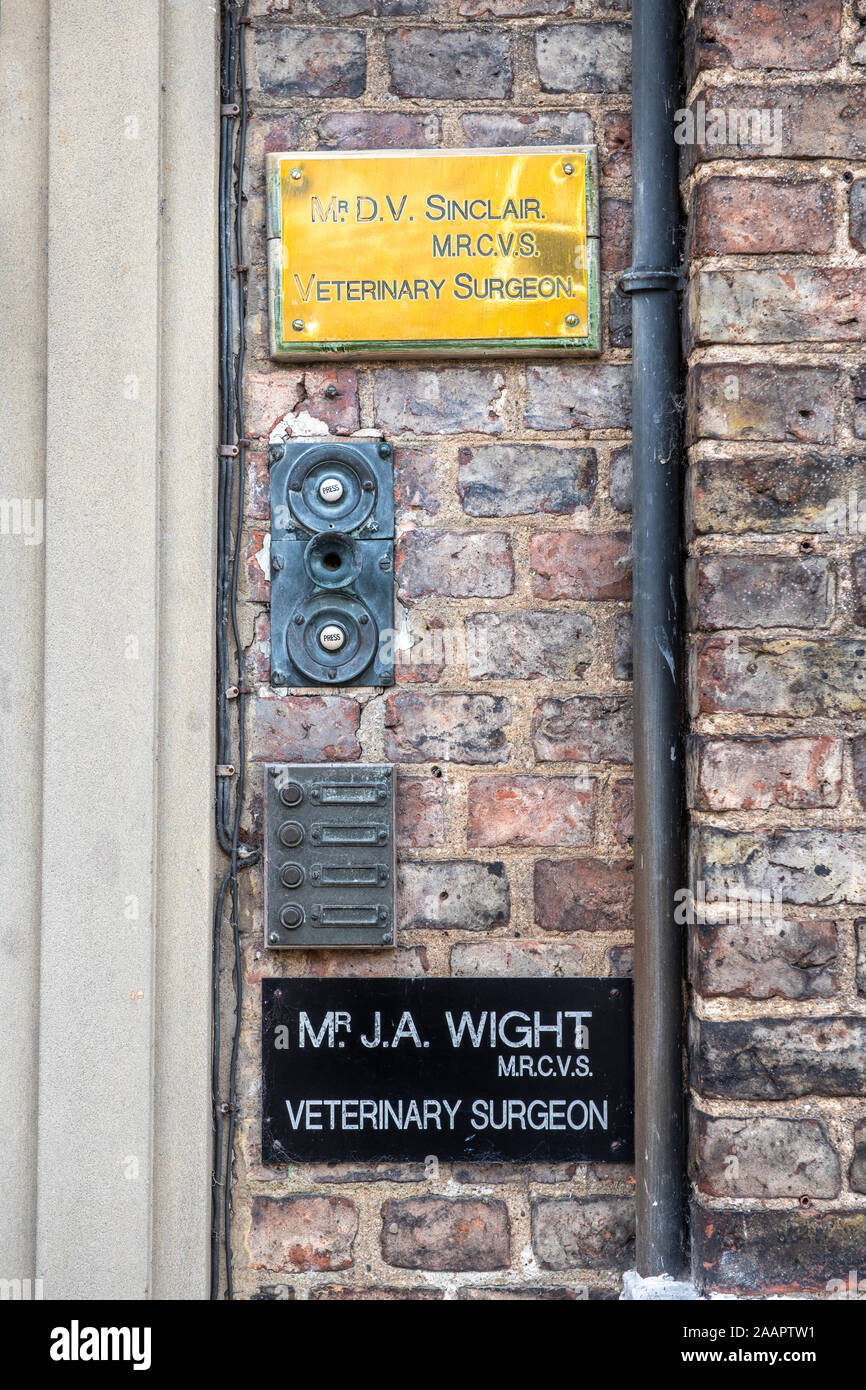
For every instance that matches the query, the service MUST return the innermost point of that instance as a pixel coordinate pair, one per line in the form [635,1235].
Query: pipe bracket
[639,278]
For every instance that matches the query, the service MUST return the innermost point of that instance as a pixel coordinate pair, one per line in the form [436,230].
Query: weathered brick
[258,484]
[378,130]
[444,400]
[622,647]
[406,962]
[755,774]
[619,319]
[617,138]
[858,586]
[509,479]
[577,564]
[531,811]
[800,304]
[522,9]
[736,400]
[812,867]
[615,234]
[774,34]
[301,1233]
[592,396]
[860,930]
[490,129]
[857,1169]
[857,214]
[858,750]
[584,57]
[583,1232]
[583,895]
[373,1293]
[429,647]
[751,216]
[257,660]
[440,63]
[774,1059]
[415,485]
[812,121]
[305,729]
[311,62]
[759,591]
[267,132]
[453,894]
[621,962]
[460,1233]
[622,810]
[521,1294]
[419,812]
[786,677]
[585,729]
[329,1173]
[621,479]
[451,728]
[291,401]
[517,959]
[807,492]
[777,1252]
[762,1156]
[455,564]
[858,382]
[258,566]
[529,646]
[764,959]
[269,1293]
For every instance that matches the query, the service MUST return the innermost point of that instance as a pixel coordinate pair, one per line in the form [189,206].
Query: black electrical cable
[229,811]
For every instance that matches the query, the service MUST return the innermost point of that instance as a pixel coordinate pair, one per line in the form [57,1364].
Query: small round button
[291,794]
[331,490]
[332,637]
[291,875]
[291,916]
[291,833]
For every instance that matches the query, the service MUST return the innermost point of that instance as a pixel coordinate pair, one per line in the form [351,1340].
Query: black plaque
[357,1070]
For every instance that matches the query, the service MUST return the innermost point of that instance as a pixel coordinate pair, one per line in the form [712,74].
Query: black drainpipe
[653,282]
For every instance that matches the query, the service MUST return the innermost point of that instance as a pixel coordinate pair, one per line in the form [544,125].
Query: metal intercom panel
[332,563]
[329,855]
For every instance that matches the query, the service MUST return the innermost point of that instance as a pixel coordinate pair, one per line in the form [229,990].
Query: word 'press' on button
[331,489]
[332,637]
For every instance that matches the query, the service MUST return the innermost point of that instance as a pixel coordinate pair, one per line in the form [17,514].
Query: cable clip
[228,451]
[230,109]
[225,769]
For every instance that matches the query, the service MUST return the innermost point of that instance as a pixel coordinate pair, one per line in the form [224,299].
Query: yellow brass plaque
[416,252]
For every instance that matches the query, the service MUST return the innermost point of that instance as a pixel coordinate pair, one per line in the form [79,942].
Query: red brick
[301,1233]
[531,811]
[617,138]
[755,774]
[258,486]
[447,728]
[818,121]
[586,729]
[378,130]
[305,729]
[781,1251]
[295,62]
[583,895]
[615,234]
[622,799]
[257,656]
[406,962]
[419,812]
[575,564]
[583,1232]
[764,1156]
[808,492]
[258,566]
[455,564]
[761,216]
[445,1233]
[373,1293]
[743,34]
[283,401]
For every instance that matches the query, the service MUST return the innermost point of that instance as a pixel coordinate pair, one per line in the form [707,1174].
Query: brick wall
[774,323]
[510,723]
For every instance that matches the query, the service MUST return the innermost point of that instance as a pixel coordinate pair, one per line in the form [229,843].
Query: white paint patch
[263,558]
